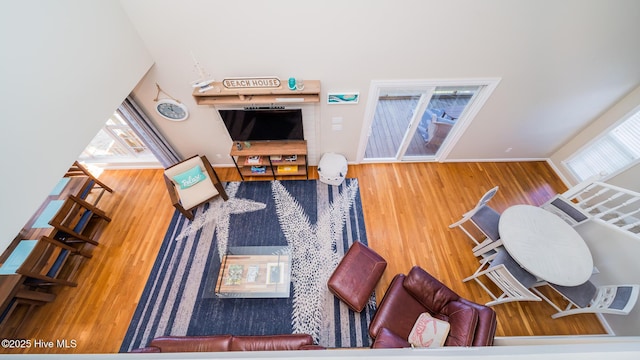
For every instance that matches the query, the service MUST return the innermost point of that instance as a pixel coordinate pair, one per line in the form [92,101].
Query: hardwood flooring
[407,210]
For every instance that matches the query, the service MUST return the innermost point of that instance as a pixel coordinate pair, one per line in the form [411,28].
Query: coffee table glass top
[255,272]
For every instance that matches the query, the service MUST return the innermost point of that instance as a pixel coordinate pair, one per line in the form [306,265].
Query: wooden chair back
[92,183]
[12,318]
[212,185]
[47,263]
[78,219]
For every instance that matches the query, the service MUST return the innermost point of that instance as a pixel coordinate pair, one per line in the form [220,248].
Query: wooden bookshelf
[272,168]
[220,95]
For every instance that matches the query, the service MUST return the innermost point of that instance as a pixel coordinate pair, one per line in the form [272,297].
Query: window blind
[611,152]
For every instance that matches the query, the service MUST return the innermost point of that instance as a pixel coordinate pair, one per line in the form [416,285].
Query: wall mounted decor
[247,96]
[343,98]
[204,80]
[251,82]
[170,109]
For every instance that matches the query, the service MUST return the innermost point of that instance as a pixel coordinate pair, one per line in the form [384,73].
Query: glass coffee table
[255,272]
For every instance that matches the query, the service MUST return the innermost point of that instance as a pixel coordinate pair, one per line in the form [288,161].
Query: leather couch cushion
[387,339]
[463,320]
[192,343]
[431,293]
[269,343]
[398,310]
[487,323]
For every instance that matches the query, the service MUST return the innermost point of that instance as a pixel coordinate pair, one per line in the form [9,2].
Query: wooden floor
[407,210]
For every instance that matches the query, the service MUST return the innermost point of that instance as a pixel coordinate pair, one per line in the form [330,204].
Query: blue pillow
[189,178]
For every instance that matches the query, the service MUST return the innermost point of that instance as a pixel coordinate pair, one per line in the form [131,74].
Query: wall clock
[172,110]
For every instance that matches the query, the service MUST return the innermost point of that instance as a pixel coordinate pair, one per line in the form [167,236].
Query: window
[116,143]
[612,152]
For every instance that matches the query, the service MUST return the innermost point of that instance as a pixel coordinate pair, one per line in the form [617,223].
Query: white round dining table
[545,245]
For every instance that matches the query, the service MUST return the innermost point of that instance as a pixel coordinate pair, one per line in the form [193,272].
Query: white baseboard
[561,339]
[128,166]
[497,160]
[393,161]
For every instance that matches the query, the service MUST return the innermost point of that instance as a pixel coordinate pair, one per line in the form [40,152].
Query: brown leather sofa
[408,296]
[214,343]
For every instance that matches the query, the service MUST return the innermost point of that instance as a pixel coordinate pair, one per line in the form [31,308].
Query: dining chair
[52,262]
[78,220]
[589,298]
[9,324]
[570,212]
[191,183]
[485,219]
[511,279]
[92,183]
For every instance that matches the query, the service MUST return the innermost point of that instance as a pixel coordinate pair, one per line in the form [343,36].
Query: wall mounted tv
[268,124]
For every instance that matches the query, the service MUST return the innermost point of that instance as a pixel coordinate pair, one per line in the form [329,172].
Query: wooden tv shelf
[271,167]
[220,95]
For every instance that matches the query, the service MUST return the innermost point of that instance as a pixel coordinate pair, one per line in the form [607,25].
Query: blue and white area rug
[318,223]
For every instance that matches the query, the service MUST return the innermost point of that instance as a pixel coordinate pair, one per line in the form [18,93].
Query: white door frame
[415,121]
[487,86]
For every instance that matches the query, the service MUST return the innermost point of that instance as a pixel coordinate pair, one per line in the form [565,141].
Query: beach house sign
[251,82]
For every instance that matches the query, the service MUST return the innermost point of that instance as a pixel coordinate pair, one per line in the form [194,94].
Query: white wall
[562,64]
[629,179]
[615,254]
[65,67]
[624,107]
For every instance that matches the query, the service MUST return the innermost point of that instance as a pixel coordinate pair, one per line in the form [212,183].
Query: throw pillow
[428,332]
[189,178]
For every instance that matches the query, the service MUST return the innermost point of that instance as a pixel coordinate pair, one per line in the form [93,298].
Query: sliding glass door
[410,122]
[394,114]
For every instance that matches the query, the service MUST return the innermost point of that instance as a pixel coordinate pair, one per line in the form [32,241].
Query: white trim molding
[496,160]
[487,86]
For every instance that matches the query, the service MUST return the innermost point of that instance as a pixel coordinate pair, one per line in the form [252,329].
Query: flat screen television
[271,124]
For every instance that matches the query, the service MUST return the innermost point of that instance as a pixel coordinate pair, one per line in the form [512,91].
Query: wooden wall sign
[251,82]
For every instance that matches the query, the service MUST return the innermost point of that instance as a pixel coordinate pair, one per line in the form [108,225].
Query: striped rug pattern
[318,223]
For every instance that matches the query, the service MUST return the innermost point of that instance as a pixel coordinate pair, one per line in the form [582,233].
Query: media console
[219,95]
[265,158]
[273,159]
